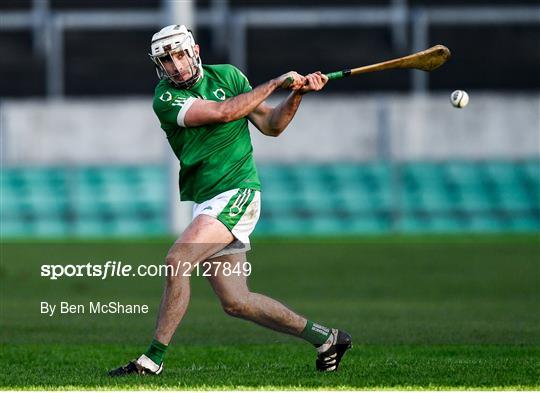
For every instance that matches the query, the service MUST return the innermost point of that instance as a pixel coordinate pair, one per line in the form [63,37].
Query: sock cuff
[156,351]
[159,344]
[315,333]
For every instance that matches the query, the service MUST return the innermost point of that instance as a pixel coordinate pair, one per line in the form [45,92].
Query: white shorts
[239,211]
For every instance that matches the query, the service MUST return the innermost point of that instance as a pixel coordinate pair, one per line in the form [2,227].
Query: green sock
[315,334]
[156,351]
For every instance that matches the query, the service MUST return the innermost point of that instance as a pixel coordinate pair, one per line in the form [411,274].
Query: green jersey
[213,158]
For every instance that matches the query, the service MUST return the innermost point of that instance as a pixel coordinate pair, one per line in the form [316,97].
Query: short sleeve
[172,109]
[242,82]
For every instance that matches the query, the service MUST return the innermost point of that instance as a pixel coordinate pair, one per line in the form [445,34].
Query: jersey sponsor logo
[179,101]
[165,97]
[219,93]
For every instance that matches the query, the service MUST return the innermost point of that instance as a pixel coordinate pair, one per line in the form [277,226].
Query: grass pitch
[425,313]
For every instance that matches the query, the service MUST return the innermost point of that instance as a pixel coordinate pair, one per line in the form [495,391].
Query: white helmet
[172,39]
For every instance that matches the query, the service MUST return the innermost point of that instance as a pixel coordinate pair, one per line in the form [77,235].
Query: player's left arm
[272,121]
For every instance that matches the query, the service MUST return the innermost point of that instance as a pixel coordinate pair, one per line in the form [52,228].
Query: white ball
[459,98]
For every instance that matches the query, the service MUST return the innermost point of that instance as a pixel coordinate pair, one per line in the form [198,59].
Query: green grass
[425,313]
[278,366]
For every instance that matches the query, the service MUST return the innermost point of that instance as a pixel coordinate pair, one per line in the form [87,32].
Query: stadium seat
[51,227]
[486,223]
[430,200]
[463,174]
[414,224]
[447,224]
[367,224]
[526,223]
[286,226]
[345,174]
[475,200]
[91,227]
[514,198]
[531,171]
[356,200]
[336,198]
[15,227]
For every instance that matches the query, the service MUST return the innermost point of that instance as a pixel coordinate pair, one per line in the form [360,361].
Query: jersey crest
[165,97]
[219,93]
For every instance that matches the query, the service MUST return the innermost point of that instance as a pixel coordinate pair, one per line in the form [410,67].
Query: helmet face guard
[169,45]
[170,68]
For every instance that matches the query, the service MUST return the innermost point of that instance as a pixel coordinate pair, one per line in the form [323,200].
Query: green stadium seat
[486,223]
[513,199]
[336,198]
[420,176]
[286,204]
[528,223]
[382,201]
[413,224]
[154,208]
[344,174]
[152,171]
[287,225]
[9,200]
[503,175]
[46,204]
[86,205]
[129,226]
[475,200]
[15,227]
[462,173]
[153,193]
[264,227]
[274,174]
[48,196]
[89,176]
[118,191]
[433,200]
[446,224]
[116,175]
[531,171]
[308,173]
[326,225]
[120,207]
[366,224]
[90,227]
[54,227]
[356,200]
[314,187]
[272,190]
[319,202]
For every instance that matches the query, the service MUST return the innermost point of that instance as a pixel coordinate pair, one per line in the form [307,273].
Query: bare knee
[171,259]
[175,269]
[236,307]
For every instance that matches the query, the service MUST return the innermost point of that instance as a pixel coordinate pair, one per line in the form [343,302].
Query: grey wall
[36,132]
[326,128]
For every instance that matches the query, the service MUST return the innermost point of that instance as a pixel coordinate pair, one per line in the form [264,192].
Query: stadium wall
[392,163]
[325,129]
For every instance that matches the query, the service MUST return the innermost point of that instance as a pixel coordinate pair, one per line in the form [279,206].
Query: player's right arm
[202,112]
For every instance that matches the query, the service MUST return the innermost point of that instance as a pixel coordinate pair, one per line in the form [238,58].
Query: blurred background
[366,173]
[83,155]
